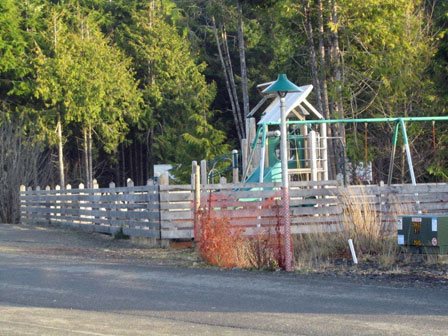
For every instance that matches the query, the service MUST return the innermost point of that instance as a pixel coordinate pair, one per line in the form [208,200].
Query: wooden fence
[319,206]
[167,211]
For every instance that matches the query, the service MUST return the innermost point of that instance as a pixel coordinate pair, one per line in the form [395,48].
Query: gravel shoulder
[55,242]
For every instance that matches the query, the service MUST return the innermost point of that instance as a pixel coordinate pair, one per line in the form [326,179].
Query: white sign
[400,224]
[400,239]
[416,219]
[434,224]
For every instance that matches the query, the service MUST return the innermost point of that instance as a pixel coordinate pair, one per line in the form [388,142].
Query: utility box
[423,233]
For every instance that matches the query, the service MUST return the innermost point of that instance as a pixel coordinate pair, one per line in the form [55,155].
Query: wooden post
[57,206]
[94,201]
[197,199]
[194,164]
[244,153]
[163,179]
[324,150]
[113,228]
[67,204]
[203,172]
[47,205]
[23,206]
[250,139]
[235,178]
[313,152]
[130,185]
[153,201]
[222,180]
[80,187]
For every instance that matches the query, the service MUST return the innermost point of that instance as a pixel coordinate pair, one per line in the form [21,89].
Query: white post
[408,152]
[313,155]
[324,149]
[352,250]
[285,186]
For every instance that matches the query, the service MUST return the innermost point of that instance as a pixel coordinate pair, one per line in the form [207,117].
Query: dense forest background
[105,89]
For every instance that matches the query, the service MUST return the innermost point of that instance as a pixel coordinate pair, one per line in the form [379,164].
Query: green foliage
[147,73]
[176,94]
[388,50]
[86,79]
[13,57]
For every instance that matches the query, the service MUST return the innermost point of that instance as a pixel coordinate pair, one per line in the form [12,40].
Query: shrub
[224,245]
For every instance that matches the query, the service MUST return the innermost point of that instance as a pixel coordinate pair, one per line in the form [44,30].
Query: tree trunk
[86,156]
[61,153]
[322,57]
[87,133]
[123,169]
[226,78]
[242,50]
[228,63]
[312,54]
[337,66]
[320,89]
[90,156]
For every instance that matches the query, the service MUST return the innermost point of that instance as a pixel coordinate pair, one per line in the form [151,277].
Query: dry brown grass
[361,222]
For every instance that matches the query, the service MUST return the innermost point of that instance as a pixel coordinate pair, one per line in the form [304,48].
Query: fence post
[94,207]
[112,209]
[382,204]
[193,172]
[153,205]
[81,208]
[47,205]
[203,172]
[196,186]
[163,180]
[23,206]
[235,166]
[57,207]
[67,204]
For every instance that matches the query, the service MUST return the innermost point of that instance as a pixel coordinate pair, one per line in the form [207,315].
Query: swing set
[399,124]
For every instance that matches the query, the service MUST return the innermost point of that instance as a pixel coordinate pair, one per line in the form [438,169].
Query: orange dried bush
[225,245]
[219,243]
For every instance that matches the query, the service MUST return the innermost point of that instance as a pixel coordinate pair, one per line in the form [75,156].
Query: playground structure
[307,146]
[307,141]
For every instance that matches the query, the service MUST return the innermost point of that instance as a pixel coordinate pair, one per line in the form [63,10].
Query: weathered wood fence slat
[167,211]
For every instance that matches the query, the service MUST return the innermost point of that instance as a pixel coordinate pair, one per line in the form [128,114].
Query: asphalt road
[58,294]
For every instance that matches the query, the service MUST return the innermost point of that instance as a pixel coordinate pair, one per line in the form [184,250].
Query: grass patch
[361,222]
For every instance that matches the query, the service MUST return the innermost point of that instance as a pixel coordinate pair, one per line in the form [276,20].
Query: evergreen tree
[85,80]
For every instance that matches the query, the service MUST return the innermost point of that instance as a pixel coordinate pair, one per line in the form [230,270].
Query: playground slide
[271,174]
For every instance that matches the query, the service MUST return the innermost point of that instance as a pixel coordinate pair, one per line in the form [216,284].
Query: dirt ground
[410,270]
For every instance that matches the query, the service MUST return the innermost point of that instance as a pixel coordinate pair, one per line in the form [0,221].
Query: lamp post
[281,87]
